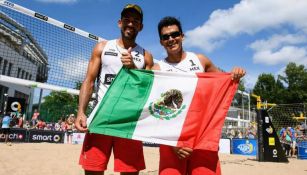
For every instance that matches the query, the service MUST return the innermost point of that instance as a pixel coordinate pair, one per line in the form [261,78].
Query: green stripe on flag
[123,103]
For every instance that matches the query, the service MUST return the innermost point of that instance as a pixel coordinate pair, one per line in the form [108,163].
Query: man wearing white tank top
[107,59]
[184,160]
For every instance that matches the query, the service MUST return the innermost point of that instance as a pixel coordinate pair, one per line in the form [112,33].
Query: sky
[262,36]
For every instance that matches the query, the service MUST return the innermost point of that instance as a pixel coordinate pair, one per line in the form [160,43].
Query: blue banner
[302,150]
[244,147]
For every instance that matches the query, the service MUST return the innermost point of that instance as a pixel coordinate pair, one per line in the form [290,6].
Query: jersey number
[193,64]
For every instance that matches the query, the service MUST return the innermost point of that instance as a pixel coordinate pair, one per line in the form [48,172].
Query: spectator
[20,121]
[35,117]
[6,125]
[251,132]
[27,125]
[40,124]
[69,127]
[57,126]
[239,134]
[293,141]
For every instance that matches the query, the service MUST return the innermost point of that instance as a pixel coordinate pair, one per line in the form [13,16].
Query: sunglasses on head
[173,35]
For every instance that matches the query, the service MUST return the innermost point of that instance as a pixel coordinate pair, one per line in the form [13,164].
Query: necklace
[174,66]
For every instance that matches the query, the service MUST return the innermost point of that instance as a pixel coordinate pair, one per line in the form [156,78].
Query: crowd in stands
[64,124]
[241,133]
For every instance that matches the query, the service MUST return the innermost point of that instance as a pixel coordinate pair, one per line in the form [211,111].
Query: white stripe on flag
[165,131]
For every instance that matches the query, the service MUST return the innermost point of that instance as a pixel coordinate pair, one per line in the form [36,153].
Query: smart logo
[46,138]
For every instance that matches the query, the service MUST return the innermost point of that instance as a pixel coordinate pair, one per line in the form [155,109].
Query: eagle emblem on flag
[168,106]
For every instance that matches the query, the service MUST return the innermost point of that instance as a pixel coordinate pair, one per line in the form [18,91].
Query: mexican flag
[177,109]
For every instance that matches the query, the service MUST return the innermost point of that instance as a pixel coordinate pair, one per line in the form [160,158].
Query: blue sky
[261,36]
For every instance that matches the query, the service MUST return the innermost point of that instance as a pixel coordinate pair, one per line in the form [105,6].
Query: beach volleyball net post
[40,52]
[269,145]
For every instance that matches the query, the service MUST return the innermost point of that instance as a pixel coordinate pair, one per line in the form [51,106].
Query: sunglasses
[173,35]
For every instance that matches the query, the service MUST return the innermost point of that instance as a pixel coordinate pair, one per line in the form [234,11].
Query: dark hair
[169,21]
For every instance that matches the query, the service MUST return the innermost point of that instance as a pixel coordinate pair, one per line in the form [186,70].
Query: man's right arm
[88,86]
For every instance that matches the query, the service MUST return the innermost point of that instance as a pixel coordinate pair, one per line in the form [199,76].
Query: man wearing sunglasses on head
[184,160]
[107,59]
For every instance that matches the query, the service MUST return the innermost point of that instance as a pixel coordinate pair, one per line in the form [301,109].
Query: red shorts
[200,162]
[96,151]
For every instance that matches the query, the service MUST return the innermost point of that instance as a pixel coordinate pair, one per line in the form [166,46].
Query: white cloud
[58,1]
[284,55]
[278,40]
[248,17]
[280,49]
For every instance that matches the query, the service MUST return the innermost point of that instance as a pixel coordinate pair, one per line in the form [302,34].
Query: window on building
[10,69]
[30,77]
[18,72]
[1,59]
[22,74]
[27,74]
[4,67]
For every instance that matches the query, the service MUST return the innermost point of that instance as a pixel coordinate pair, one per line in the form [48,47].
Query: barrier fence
[33,136]
[246,147]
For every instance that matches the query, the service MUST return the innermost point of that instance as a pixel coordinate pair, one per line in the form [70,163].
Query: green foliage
[57,105]
[241,85]
[290,88]
[296,79]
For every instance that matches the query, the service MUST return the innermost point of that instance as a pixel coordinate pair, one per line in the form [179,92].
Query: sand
[62,159]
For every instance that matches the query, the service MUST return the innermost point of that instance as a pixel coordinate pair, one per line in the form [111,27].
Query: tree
[290,88]
[57,105]
[296,80]
[242,85]
[265,87]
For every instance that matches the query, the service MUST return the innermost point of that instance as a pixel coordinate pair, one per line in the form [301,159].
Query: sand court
[62,159]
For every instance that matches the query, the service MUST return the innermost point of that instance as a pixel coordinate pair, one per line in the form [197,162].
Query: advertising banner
[78,138]
[16,105]
[224,146]
[246,147]
[36,136]
[302,150]
[16,135]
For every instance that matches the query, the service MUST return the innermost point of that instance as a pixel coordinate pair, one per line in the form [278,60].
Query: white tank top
[111,64]
[191,63]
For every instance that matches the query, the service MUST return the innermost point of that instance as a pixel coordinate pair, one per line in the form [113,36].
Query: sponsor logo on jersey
[111,53]
[108,78]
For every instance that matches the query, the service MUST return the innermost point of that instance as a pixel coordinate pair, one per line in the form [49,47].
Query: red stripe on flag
[205,118]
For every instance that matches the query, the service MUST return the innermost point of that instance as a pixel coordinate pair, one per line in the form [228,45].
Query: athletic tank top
[191,63]
[111,64]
